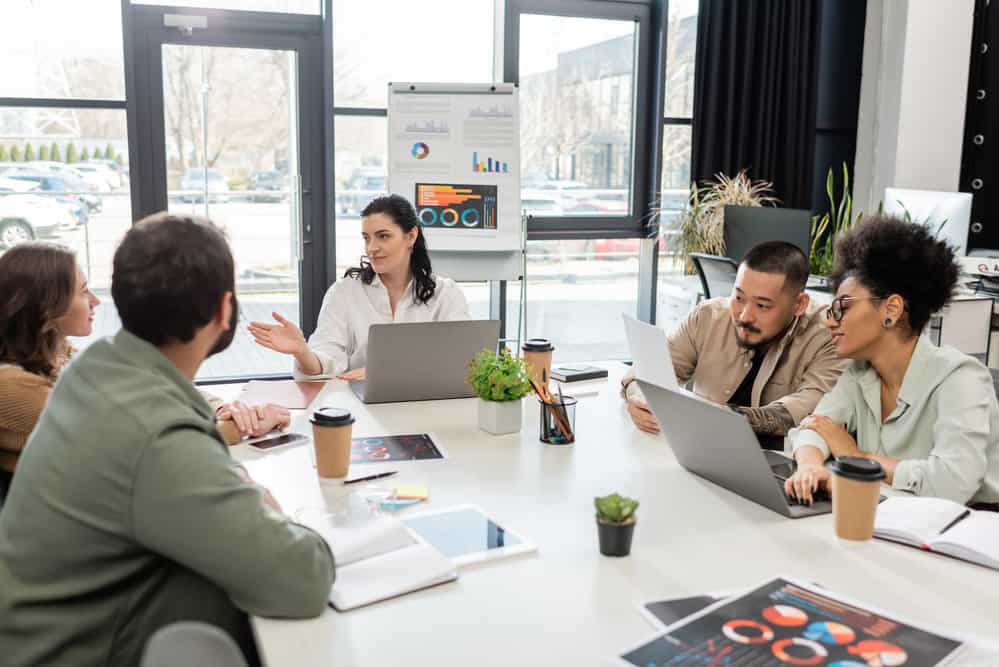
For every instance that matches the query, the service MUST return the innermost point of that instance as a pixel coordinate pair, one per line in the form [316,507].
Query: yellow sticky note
[415,491]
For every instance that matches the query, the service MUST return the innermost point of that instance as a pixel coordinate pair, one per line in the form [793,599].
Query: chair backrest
[966,324]
[717,273]
[191,644]
[995,380]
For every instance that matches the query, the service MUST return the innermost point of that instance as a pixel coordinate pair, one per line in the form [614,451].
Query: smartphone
[275,440]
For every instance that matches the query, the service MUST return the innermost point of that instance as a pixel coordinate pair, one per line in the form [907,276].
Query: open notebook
[940,525]
[379,559]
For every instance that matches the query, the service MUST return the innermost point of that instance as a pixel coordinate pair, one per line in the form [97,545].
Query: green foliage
[615,508]
[54,153]
[829,225]
[108,152]
[498,377]
[85,154]
[29,152]
[71,154]
[119,159]
[15,153]
[43,152]
[3,153]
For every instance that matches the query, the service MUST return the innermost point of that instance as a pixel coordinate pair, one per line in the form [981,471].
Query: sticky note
[411,491]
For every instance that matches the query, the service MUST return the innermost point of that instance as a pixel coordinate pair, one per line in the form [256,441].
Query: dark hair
[404,216]
[37,281]
[170,273]
[779,257]
[888,255]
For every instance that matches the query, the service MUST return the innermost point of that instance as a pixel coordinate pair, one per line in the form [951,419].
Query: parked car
[25,216]
[268,186]
[69,186]
[98,176]
[118,174]
[194,181]
[365,184]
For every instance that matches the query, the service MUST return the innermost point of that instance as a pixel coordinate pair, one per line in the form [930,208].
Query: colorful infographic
[489,165]
[379,449]
[783,623]
[456,206]
[420,150]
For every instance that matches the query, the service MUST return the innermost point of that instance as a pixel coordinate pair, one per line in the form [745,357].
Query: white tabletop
[567,603]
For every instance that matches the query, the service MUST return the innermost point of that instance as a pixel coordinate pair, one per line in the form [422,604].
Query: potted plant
[615,523]
[500,381]
[829,225]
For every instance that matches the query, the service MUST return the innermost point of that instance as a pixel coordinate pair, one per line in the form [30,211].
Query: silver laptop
[717,444]
[423,361]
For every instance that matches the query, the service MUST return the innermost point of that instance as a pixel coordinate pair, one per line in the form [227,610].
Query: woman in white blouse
[393,284]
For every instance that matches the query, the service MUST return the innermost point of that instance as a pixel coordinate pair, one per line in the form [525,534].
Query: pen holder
[558,421]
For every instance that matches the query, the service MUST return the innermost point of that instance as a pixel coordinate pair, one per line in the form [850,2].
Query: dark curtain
[755,92]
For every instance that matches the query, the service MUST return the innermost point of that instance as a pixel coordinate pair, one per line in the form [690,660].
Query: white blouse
[350,307]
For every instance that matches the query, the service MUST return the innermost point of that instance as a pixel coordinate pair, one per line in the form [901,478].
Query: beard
[761,345]
[226,337]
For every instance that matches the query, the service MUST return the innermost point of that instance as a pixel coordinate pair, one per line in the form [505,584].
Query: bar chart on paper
[445,206]
[489,165]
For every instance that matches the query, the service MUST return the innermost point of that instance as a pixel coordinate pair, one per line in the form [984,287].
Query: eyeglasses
[835,311]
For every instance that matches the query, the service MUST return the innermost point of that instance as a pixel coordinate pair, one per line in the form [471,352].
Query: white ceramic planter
[500,417]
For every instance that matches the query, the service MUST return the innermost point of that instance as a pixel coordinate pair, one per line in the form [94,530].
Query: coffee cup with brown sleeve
[856,487]
[331,433]
[537,354]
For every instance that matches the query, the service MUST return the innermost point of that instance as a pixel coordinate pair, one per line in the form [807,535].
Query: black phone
[276,440]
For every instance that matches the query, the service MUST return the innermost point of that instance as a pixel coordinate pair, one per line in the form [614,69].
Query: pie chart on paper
[876,652]
[828,632]
[785,616]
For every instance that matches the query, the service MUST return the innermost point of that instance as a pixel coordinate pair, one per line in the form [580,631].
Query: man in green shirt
[127,512]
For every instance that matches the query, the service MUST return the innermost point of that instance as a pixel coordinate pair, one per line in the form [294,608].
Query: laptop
[649,349]
[717,444]
[423,361]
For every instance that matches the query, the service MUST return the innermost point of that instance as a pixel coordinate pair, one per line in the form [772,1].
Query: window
[360,154]
[282,6]
[63,50]
[576,114]
[67,182]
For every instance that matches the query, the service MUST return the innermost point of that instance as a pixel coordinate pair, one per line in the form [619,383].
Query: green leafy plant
[29,152]
[85,154]
[15,153]
[71,153]
[54,153]
[498,377]
[43,153]
[699,227]
[829,225]
[615,508]
[3,153]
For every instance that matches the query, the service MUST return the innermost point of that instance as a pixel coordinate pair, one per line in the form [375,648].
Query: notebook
[577,373]
[939,525]
[380,558]
[286,393]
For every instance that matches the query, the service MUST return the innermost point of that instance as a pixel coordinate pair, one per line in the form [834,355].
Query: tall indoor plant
[829,225]
[500,381]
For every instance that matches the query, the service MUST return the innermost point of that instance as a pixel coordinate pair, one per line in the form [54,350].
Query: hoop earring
[887,323]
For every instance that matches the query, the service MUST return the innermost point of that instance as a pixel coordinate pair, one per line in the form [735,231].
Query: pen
[371,477]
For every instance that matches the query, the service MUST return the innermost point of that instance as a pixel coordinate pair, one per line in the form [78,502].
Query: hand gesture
[806,480]
[257,419]
[283,337]
[642,415]
[839,441]
[356,374]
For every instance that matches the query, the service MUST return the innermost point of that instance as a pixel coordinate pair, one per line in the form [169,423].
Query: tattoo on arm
[767,420]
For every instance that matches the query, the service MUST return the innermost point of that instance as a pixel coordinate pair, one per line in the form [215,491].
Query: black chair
[5,478]
[717,273]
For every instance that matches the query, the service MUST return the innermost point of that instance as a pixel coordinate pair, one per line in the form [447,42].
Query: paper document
[650,351]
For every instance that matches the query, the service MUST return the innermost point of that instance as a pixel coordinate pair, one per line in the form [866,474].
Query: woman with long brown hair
[44,298]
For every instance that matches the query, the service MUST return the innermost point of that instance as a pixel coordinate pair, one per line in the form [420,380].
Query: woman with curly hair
[45,298]
[928,414]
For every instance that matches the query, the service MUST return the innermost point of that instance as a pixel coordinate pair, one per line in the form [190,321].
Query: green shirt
[944,428]
[127,513]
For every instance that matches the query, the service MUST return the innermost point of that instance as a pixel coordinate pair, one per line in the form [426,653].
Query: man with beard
[127,512]
[763,351]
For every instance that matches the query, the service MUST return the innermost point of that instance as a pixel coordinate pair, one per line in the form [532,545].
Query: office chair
[191,644]
[717,274]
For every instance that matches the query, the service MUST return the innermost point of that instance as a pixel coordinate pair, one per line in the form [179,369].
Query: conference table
[566,603]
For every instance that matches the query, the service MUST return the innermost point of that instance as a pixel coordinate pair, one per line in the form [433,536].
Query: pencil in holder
[558,421]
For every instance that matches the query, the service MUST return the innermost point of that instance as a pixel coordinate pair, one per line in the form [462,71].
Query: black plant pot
[615,538]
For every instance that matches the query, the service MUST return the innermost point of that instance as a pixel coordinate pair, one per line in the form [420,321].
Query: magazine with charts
[792,623]
[939,525]
[379,558]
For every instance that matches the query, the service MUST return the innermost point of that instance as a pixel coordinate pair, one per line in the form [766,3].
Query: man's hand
[642,416]
[254,420]
[839,441]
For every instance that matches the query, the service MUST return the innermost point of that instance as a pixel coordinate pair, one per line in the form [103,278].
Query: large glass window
[681,43]
[60,49]
[360,155]
[576,115]
[378,41]
[70,187]
[282,6]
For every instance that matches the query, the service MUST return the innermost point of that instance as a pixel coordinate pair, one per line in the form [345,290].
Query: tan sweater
[22,398]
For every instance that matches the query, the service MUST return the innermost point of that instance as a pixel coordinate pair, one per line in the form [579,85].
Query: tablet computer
[466,534]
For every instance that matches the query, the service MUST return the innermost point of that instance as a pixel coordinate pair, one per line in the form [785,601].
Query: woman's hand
[257,419]
[839,441]
[356,374]
[806,480]
[283,337]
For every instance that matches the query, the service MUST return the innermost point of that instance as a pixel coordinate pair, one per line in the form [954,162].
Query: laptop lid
[718,444]
[649,348]
[423,361]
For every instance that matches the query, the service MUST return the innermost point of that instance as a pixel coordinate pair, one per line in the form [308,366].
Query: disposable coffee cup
[331,431]
[856,483]
[537,354]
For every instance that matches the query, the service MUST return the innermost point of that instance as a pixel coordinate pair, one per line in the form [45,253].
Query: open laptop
[423,361]
[717,444]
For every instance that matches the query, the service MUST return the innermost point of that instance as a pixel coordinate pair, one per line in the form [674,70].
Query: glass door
[231,141]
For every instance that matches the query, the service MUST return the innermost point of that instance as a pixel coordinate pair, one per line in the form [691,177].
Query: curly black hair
[888,255]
